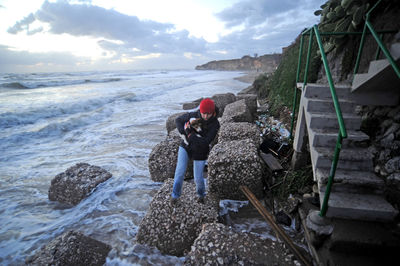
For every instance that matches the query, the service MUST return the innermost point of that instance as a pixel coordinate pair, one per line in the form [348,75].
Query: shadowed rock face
[163,158]
[222,100]
[218,244]
[76,183]
[173,228]
[170,123]
[71,248]
[251,102]
[237,112]
[232,164]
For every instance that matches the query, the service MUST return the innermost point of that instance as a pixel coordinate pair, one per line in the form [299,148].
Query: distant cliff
[265,63]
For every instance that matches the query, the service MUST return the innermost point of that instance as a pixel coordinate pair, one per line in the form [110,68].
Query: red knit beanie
[207,106]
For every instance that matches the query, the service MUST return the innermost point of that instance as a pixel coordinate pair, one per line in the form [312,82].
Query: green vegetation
[292,182]
[341,16]
[278,88]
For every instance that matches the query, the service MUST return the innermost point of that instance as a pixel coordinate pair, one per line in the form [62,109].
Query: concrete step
[364,237]
[349,159]
[319,105]
[377,87]
[358,207]
[351,181]
[328,137]
[377,65]
[330,120]
[323,91]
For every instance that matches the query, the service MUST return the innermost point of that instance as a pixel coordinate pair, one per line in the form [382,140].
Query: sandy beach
[249,77]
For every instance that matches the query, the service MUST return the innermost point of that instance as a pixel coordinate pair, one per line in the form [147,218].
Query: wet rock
[71,248]
[191,105]
[170,123]
[237,112]
[222,100]
[163,158]
[239,131]
[221,245]
[251,102]
[76,183]
[173,228]
[232,164]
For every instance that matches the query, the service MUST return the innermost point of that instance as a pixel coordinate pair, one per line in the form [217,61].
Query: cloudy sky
[76,35]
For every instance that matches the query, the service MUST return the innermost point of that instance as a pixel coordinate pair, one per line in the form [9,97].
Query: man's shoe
[200,200]
[173,201]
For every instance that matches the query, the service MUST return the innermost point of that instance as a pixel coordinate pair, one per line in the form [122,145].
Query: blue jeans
[198,168]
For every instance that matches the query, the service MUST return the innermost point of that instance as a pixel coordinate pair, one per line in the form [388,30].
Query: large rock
[232,164]
[192,105]
[170,123]
[251,102]
[71,248]
[237,112]
[173,228]
[221,245]
[222,100]
[239,131]
[249,90]
[163,159]
[76,183]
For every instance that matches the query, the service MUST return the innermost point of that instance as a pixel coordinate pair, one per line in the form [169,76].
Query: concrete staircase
[380,85]
[357,193]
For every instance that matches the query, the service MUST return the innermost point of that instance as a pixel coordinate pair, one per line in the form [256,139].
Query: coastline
[249,77]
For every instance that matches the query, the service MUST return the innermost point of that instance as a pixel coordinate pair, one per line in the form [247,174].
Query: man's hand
[188,129]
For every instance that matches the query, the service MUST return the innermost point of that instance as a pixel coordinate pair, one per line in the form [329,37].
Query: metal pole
[324,206]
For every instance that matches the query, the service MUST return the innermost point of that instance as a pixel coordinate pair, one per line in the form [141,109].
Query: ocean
[51,121]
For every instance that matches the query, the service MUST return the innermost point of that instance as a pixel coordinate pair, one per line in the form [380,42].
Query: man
[197,147]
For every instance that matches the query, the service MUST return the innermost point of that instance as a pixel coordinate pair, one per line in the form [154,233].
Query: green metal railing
[378,39]
[342,129]
[342,134]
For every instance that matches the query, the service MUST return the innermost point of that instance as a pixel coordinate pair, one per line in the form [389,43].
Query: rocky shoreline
[194,230]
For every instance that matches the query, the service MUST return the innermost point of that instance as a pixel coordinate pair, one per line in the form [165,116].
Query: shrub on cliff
[279,87]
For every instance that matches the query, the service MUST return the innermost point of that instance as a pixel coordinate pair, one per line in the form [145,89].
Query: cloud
[265,25]
[22,24]
[97,22]
[255,26]
[23,61]
[254,12]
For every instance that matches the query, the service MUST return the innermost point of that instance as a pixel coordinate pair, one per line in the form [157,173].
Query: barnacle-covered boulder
[232,164]
[170,123]
[172,228]
[71,248]
[239,131]
[192,105]
[237,112]
[218,244]
[222,100]
[76,183]
[251,102]
[163,158]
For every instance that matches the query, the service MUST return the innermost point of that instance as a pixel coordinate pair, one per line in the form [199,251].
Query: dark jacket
[198,147]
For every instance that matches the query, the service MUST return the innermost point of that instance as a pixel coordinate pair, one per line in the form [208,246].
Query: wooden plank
[272,163]
[268,217]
